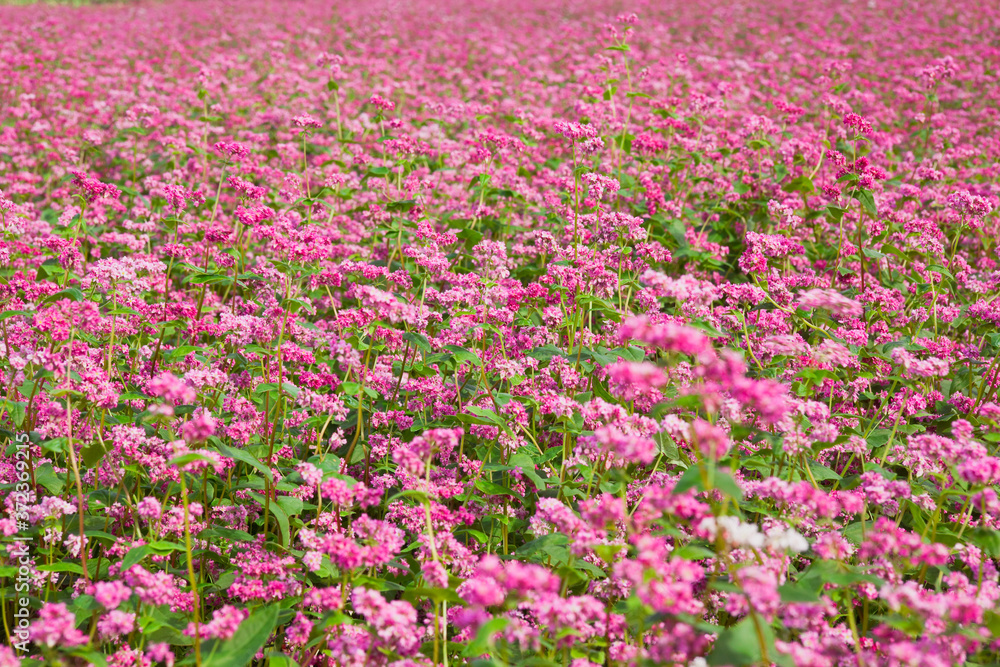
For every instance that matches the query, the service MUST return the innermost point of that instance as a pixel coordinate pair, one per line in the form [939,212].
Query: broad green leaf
[462,355]
[418,340]
[279,514]
[134,556]
[248,458]
[867,201]
[820,472]
[494,489]
[240,649]
[693,552]
[75,568]
[691,479]
[483,640]
[740,645]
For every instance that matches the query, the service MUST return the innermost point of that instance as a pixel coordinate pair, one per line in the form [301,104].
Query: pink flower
[575,131]
[161,653]
[634,379]
[232,150]
[381,103]
[298,630]
[760,585]
[434,574]
[969,204]
[306,121]
[172,389]
[835,302]
[56,626]
[628,447]
[667,335]
[394,622]
[92,188]
[862,125]
[149,508]
[8,658]
[223,625]
[711,441]
[311,475]
[110,594]
[199,427]
[115,623]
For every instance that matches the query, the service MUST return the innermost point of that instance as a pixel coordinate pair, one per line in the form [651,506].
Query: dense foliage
[500,333]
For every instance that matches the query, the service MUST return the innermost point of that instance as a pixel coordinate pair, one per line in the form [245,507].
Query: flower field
[500,333]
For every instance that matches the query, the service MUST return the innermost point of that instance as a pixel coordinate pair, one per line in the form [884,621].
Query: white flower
[788,539]
[735,532]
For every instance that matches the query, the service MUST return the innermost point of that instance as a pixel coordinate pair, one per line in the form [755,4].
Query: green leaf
[937,268]
[483,640]
[134,556]
[418,595]
[290,504]
[61,567]
[545,352]
[821,472]
[853,532]
[293,305]
[71,293]
[92,657]
[190,457]
[92,454]
[666,446]
[16,411]
[85,603]
[607,552]
[278,512]
[280,660]
[740,645]
[488,415]
[545,544]
[992,621]
[462,355]
[527,466]
[48,478]
[419,340]
[693,552]
[183,351]
[866,199]
[163,547]
[724,482]
[248,458]
[691,479]
[209,279]
[494,489]
[801,184]
[240,649]
[404,205]
[987,539]
[793,593]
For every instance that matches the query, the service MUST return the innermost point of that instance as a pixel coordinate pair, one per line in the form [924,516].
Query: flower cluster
[495,333]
